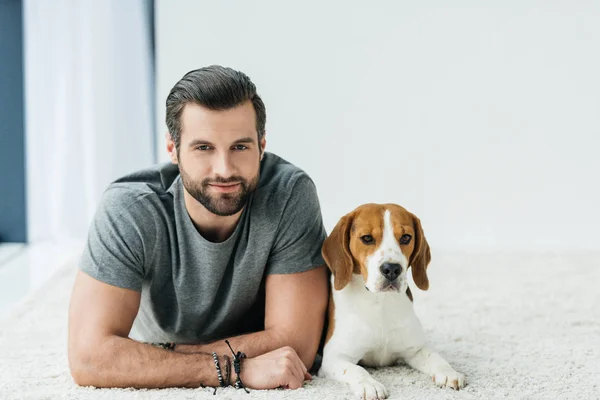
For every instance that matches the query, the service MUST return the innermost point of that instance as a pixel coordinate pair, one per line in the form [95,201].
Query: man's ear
[171,148]
[336,252]
[262,144]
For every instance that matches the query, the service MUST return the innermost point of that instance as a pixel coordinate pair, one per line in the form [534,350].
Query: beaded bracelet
[237,358]
[218,367]
[227,371]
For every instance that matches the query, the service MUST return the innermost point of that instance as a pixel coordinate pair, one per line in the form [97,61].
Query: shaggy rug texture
[518,326]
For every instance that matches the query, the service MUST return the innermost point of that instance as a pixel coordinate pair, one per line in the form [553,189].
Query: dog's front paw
[369,389]
[449,378]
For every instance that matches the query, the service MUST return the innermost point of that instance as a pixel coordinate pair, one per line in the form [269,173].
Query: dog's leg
[431,363]
[361,382]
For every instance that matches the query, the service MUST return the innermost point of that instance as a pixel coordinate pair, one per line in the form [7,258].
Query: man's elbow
[85,367]
[81,377]
[80,367]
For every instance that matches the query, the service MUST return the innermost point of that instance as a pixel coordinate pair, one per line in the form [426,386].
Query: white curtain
[89,97]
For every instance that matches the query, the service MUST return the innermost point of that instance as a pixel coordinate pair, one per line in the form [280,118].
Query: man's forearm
[256,344]
[252,344]
[122,362]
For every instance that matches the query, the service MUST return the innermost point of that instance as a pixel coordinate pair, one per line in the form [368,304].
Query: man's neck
[213,228]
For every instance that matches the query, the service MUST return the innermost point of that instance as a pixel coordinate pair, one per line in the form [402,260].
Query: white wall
[482,119]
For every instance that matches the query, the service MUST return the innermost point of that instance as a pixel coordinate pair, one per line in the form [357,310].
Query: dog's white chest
[376,329]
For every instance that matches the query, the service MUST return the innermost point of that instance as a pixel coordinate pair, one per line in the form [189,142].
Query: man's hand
[278,368]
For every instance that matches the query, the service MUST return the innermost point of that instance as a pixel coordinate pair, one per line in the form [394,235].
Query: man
[222,243]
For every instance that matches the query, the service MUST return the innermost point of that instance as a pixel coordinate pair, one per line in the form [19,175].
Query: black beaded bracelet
[237,359]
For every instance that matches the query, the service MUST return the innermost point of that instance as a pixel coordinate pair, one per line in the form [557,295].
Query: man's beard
[222,204]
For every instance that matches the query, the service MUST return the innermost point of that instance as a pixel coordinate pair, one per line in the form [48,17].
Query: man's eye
[240,147]
[203,147]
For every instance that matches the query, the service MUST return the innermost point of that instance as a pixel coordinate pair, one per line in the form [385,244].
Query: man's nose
[390,270]
[222,166]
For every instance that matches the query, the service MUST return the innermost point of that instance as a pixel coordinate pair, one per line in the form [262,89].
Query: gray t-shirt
[193,290]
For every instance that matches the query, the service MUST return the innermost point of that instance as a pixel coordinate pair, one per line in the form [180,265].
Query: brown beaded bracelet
[227,371]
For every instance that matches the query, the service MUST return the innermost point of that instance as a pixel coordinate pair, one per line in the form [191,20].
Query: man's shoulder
[138,187]
[157,178]
[280,176]
[282,183]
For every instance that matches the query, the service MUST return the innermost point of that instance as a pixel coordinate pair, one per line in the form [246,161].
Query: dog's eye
[405,239]
[367,239]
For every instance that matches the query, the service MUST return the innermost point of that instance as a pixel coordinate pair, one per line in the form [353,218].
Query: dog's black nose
[390,271]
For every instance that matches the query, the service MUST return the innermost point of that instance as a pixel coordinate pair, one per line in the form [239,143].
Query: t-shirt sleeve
[300,233]
[114,252]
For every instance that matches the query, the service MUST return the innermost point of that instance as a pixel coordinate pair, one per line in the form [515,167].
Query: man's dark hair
[214,87]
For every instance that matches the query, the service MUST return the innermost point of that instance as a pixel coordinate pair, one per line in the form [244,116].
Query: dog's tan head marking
[380,242]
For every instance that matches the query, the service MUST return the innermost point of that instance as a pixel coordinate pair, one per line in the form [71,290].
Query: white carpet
[517,326]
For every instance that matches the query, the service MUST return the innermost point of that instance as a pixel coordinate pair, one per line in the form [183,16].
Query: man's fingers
[295,358]
[292,362]
[304,369]
[298,374]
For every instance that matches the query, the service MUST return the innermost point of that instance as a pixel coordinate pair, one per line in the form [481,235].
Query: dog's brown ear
[420,257]
[336,252]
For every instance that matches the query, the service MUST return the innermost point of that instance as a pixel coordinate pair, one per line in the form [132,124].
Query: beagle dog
[372,322]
